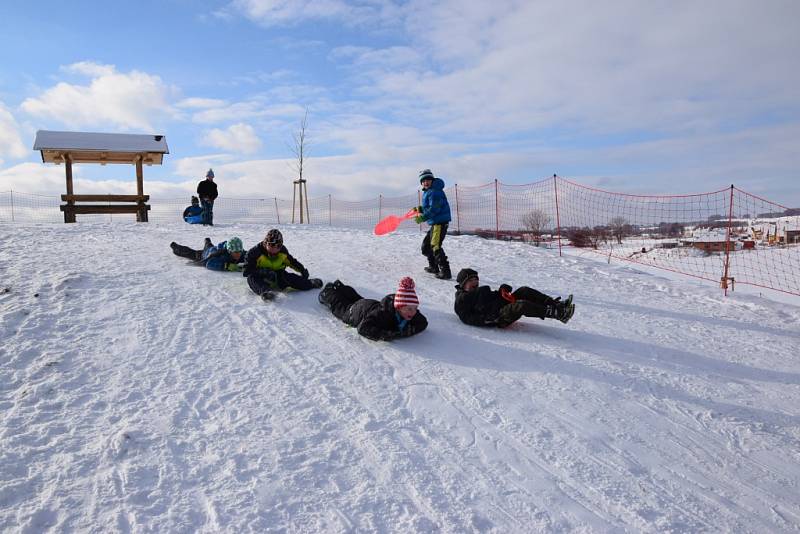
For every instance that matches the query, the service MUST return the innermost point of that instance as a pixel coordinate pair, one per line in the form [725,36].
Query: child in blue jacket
[194,213]
[226,256]
[435,210]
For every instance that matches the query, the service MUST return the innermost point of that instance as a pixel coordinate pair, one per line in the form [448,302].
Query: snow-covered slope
[139,393]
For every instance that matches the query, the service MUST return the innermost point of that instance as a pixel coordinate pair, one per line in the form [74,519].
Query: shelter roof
[89,147]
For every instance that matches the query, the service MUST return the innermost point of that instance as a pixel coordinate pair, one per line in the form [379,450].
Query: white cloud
[134,100]
[11,144]
[89,68]
[238,137]
[201,103]
[508,66]
[246,110]
[282,12]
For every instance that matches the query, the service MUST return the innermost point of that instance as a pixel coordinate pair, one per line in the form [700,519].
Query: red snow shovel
[389,224]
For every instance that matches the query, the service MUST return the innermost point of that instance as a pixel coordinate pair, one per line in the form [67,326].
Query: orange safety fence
[728,237]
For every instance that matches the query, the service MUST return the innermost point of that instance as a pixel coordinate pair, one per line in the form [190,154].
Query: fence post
[330,216]
[419,203]
[12,205]
[380,207]
[558,219]
[277,213]
[724,282]
[496,213]
[458,216]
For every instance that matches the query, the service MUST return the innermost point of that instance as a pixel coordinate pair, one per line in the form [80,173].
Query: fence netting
[728,237]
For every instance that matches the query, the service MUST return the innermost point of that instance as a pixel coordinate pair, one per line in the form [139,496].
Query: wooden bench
[138,205]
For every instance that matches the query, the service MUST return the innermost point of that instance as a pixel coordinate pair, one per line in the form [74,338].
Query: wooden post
[558,219]
[419,203]
[301,201]
[294,198]
[141,215]
[308,212]
[139,176]
[726,272]
[277,213]
[458,215]
[496,213]
[69,216]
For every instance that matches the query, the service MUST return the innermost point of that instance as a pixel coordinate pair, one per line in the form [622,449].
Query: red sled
[389,224]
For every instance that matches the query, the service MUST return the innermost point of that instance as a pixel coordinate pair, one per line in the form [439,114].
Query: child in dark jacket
[265,268]
[435,210]
[396,315]
[226,256]
[481,306]
[194,213]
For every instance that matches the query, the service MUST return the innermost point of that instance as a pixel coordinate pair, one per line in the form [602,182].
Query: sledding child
[265,268]
[435,210]
[481,306]
[226,256]
[194,213]
[396,315]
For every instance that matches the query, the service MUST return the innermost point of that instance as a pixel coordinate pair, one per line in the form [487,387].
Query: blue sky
[637,97]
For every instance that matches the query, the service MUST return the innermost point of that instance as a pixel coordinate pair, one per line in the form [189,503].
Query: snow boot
[432,267]
[325,294]
[563,311]
[444,265]
[315,282]
[267,295]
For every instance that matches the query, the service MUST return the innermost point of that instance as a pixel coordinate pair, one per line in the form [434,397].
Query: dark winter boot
[325,294]
[563,311]
[444,265]
[267,295]
[316,283]
[432,267]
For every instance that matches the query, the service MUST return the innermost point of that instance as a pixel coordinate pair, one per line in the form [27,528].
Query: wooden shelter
[102,148]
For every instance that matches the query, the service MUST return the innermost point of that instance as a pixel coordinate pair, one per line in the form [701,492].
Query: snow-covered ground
[139,393]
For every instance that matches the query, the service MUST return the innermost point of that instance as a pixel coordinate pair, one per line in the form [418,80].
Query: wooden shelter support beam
[139,177]
[69,216]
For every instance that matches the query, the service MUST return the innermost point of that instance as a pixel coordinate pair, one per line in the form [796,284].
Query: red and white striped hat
[405,295]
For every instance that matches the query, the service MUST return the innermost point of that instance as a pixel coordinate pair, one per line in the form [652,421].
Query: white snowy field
[139,393]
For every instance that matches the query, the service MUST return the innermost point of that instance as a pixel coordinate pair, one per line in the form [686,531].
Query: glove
[507,295]
[419,219]
[506,287]
[304,273]
[233,267]
[419,209]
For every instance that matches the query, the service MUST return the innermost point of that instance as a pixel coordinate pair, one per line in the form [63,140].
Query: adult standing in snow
[265,268]
[207,191]
[478,305]
[226,256]
[435,210]
[396,315]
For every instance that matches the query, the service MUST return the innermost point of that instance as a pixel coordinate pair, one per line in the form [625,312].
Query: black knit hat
[426,175]
[466,274]
[274,237]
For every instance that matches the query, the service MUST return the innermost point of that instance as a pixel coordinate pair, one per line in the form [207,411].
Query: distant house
[712,242]
[792,234]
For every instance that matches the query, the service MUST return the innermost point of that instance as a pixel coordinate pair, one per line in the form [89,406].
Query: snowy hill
[142,394]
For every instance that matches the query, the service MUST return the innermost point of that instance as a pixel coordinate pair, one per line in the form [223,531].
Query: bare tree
[620,227]
[536,221]
[300,150]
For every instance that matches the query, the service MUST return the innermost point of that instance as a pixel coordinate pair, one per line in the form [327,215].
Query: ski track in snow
[140,393]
